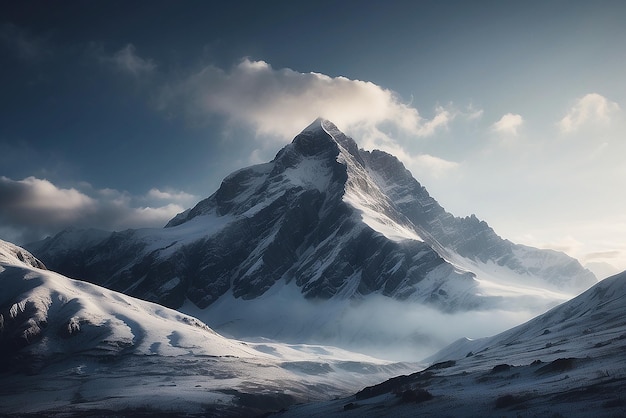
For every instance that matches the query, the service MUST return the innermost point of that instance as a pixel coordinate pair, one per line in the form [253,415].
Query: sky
[118,114]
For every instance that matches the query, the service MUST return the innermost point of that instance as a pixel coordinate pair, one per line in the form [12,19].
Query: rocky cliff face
[470,237]
[338,221]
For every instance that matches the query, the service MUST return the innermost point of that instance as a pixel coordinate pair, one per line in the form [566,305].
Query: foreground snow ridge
[68,346]
[567,362]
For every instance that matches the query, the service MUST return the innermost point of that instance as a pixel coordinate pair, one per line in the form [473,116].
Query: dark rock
[442,365]
[557,366]
[501,368]
[416,395]
[506,401]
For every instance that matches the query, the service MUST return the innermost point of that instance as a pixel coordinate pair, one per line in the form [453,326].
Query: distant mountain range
[323,222]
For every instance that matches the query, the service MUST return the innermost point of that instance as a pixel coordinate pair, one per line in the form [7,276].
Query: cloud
[127,60]
[418,331]
[441,120]
[434,165]
[508,124]
[32,208]
[602,255]
[39,202]
[472,113]
[281,102]
[26,46]
[172,195]
[591,109]
[376,325]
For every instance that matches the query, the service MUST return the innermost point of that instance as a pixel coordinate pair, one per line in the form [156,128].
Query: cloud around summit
[276,104]
[279,102]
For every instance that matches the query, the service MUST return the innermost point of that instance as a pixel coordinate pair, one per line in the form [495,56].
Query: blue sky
[120,114]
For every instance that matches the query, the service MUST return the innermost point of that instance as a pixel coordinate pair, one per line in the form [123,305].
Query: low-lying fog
[378,326]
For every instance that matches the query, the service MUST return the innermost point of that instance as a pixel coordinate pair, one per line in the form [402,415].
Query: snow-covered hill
[11,254]
[68,346]
[323,223]
[569,361]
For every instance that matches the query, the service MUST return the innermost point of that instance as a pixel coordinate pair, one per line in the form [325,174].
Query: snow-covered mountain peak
[342,139]
[315,126]
[335,223]
[318,134]
[312,141]
[316,160]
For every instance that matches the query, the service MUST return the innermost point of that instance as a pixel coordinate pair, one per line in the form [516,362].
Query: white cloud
[172,195]
[593,109]
[441,120]
[32,208]
[40,202]
[127,60]
[508,124]
[277,104]
[435,166]
[282,102]
[472,113]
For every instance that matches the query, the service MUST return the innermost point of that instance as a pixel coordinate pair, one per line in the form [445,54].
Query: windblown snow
[365,194]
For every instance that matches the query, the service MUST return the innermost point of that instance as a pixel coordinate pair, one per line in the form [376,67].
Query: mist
[377,326]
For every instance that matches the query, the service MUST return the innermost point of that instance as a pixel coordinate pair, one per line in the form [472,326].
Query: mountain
[567,362]
[323,221]
[70,348]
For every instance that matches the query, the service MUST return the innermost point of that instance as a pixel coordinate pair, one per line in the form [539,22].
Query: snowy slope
[594,318]
[70,346]
[569,361]
[12,255]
